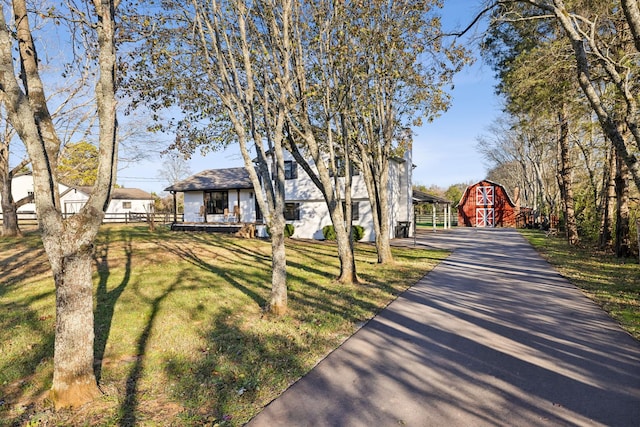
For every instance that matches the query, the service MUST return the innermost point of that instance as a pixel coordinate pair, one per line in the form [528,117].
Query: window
[259,216]
[290,169]
[216,201]
[292,211]
[355,210]
[126,205]
[340,167]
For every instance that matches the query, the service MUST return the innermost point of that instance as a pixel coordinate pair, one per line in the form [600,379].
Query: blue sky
[444,151]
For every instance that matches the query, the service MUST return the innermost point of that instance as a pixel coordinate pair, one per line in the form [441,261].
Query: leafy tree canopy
[78,164]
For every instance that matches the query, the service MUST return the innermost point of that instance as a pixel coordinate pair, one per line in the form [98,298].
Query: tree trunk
[278,299]
[9,210]
[383,243]
[67,242]
[74,381]
[322,180]
[373,181]
[623,231]
[608,204]
[565,180]
[345,249]
[10,226]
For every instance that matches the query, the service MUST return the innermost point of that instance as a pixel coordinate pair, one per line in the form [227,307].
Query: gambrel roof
[214,179]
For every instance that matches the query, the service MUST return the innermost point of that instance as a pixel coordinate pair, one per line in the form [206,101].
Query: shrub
[358,232]
[289,229]
[329,232]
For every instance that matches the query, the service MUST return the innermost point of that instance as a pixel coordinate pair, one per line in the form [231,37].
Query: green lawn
[612,283]
[181,338]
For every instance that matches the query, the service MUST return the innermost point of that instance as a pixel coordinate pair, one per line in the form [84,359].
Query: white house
[218,196]
[227,196]
[123,200]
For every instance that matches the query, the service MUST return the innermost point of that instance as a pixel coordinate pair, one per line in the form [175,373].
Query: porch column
[448,215]
[444,217]
[175,207]
[433,212]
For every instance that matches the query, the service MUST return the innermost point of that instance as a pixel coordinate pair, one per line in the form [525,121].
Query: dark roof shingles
[214,179]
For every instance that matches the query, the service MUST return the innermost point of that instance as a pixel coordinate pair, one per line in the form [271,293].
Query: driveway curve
[492,336]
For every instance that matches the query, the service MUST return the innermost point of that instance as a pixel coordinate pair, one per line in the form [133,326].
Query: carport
[420,197]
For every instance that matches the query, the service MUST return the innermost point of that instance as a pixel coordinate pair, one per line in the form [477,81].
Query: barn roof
[488,181]
[422,197]
[215,179]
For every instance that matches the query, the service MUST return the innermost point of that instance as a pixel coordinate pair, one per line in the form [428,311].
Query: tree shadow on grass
[222,270]
[106,299]
[236,370]
[21,258]
[129,405]
[20,388]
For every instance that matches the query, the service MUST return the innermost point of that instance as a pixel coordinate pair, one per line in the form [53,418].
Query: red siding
[486,204]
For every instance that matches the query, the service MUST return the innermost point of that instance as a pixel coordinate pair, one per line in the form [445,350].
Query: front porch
[207,227]
[253,229]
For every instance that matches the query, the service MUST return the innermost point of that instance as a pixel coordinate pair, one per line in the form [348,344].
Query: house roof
[116,193]
[214,179]
[130,194]
[422,197]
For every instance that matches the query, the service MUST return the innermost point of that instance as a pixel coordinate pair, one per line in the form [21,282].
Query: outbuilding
[486,204]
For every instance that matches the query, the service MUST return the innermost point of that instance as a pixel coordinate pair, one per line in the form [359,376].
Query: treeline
[569,138]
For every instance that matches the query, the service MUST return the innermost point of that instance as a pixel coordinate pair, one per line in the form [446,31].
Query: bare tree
[10,206]
[174,168]
[68,242]
[211,60]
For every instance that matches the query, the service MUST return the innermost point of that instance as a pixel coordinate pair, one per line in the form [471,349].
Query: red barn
[486,204]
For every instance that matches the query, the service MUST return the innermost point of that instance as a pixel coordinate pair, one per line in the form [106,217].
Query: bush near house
[358,232]
[329,232]
[289,229]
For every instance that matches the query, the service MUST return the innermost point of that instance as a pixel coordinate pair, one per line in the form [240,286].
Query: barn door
[484,217]
[484,195]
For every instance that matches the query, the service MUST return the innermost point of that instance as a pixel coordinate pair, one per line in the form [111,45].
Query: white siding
[314,213]
[73,201]
[194,201]
[117,206]
[21,186]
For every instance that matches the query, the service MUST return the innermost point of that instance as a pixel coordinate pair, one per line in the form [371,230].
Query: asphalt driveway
[492,336]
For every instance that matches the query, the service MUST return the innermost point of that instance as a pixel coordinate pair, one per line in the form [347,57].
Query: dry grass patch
[181,338]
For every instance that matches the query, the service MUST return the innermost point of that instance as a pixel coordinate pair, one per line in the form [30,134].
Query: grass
[181,338]
[612,283]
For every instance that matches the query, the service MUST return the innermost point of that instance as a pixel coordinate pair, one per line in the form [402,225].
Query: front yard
[180,335]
